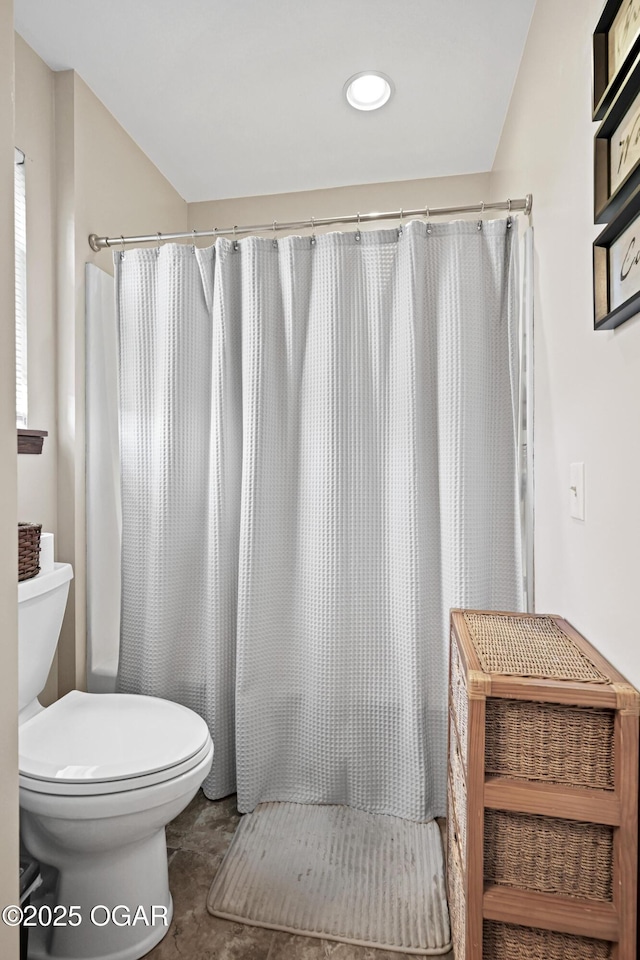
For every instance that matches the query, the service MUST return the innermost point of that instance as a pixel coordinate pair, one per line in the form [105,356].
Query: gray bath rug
[336,873]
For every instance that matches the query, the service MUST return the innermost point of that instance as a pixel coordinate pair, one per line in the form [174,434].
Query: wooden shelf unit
[552,829]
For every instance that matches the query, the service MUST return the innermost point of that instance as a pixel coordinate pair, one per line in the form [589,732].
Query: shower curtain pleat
[319,460]
[181,436]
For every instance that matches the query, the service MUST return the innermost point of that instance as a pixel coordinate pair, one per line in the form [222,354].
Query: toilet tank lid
[108,736]
[44,582]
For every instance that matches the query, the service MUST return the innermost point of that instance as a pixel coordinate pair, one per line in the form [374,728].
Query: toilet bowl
[100,777]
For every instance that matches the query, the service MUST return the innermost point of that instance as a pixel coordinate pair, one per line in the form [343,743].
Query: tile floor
[197,841]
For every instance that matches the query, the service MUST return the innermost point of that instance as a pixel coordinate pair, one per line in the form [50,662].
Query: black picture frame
[606,317]
[605,88]
[607,204]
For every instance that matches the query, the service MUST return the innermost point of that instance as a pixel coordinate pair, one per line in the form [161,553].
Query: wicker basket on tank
[28,550]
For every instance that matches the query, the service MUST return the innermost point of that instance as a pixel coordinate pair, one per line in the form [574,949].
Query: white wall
[8,508]
[587,401]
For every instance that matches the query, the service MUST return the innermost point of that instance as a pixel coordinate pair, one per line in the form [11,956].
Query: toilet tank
[41,604]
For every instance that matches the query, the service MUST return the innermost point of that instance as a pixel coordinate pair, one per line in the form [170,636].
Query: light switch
[576,491]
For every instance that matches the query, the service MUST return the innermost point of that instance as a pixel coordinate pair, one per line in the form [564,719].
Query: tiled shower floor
[197,841]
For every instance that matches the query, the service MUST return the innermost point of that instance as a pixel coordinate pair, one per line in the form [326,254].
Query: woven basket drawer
[458,791]
[455,885]
[549,855]
[459,699]
[504,941]
[550,742]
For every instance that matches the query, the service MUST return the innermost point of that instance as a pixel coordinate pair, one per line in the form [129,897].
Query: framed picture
[616,160]
[616,43]
[616,268]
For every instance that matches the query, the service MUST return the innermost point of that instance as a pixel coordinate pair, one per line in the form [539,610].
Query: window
[21,288]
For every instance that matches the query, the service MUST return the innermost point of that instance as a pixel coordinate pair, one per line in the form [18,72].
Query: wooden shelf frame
[613,921]
[552,800]
[582,918]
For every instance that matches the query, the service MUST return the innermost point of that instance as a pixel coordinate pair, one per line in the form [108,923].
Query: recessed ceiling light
[368,90]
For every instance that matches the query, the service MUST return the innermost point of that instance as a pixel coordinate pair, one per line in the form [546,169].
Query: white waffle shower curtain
[319,460]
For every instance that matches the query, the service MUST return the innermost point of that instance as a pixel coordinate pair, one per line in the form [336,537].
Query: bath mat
[337,873]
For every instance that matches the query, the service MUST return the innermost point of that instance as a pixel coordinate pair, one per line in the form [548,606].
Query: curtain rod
[100,243]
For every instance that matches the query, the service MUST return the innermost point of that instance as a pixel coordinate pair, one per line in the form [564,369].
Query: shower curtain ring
[427,214]
[275,239]
[235,242]
[358,234]
[122,251]
[313,232]
[400,228]
[194,241]
[481,215]
[508,206]
[159,236]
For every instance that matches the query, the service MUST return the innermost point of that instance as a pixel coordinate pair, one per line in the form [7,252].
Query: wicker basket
[459,702]
[504,941]
[455,885]
[28,550]
[458,792]
[542,793]
[550,855]
[551,742]
[522,646]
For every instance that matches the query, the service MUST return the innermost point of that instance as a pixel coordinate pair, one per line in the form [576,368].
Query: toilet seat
[89,744]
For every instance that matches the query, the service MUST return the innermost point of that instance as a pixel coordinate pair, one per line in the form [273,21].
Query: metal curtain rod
[99,243]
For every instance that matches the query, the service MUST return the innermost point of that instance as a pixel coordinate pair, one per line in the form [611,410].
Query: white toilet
[100,777]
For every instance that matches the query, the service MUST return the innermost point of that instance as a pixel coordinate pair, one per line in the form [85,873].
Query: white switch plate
[576,491]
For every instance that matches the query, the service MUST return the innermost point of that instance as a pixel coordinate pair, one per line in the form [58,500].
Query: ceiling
[241,98]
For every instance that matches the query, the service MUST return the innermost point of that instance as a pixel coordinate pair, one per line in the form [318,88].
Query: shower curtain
[318,443]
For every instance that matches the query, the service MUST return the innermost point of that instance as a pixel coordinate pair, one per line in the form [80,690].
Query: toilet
[101,774]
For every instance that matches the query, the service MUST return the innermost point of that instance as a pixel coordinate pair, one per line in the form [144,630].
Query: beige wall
[8,508]
[587,384]
[106,185]
[84,175]
[338,201]
[34,134]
